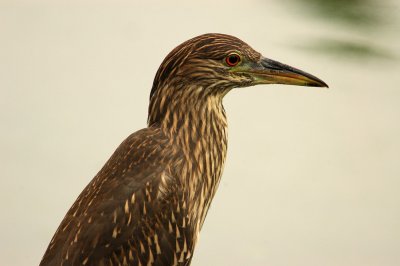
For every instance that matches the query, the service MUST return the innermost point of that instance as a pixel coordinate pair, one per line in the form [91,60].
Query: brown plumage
[147,204]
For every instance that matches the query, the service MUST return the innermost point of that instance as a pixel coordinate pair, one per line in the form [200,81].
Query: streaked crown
[206,60]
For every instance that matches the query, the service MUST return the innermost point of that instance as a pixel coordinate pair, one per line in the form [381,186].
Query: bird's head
[219,62]
[212,65]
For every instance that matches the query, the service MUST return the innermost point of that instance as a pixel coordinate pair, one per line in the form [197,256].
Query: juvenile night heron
[148,203]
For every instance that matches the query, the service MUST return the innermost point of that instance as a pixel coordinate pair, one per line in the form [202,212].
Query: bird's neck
[196,124]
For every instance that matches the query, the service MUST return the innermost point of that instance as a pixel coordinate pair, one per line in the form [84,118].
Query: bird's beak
[269,71]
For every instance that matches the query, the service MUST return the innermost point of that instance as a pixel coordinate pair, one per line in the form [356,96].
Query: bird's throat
[197,129]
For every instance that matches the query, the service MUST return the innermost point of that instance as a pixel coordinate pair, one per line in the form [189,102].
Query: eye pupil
[232,59]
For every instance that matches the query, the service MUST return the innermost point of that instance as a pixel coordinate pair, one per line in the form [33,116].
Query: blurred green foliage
[349,49]
[353,12]
[359,18]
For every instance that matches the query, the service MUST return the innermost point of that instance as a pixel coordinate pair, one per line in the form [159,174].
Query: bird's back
[131,213]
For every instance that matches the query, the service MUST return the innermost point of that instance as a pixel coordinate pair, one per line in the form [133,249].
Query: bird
[148,203]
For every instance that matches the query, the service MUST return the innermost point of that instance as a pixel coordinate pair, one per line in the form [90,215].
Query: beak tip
[324,85]
[319,84]
[316,82]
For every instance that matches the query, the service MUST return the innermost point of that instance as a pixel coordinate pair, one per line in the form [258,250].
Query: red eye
[232,59]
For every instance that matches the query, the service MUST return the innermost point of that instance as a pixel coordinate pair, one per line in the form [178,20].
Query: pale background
[312,175]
